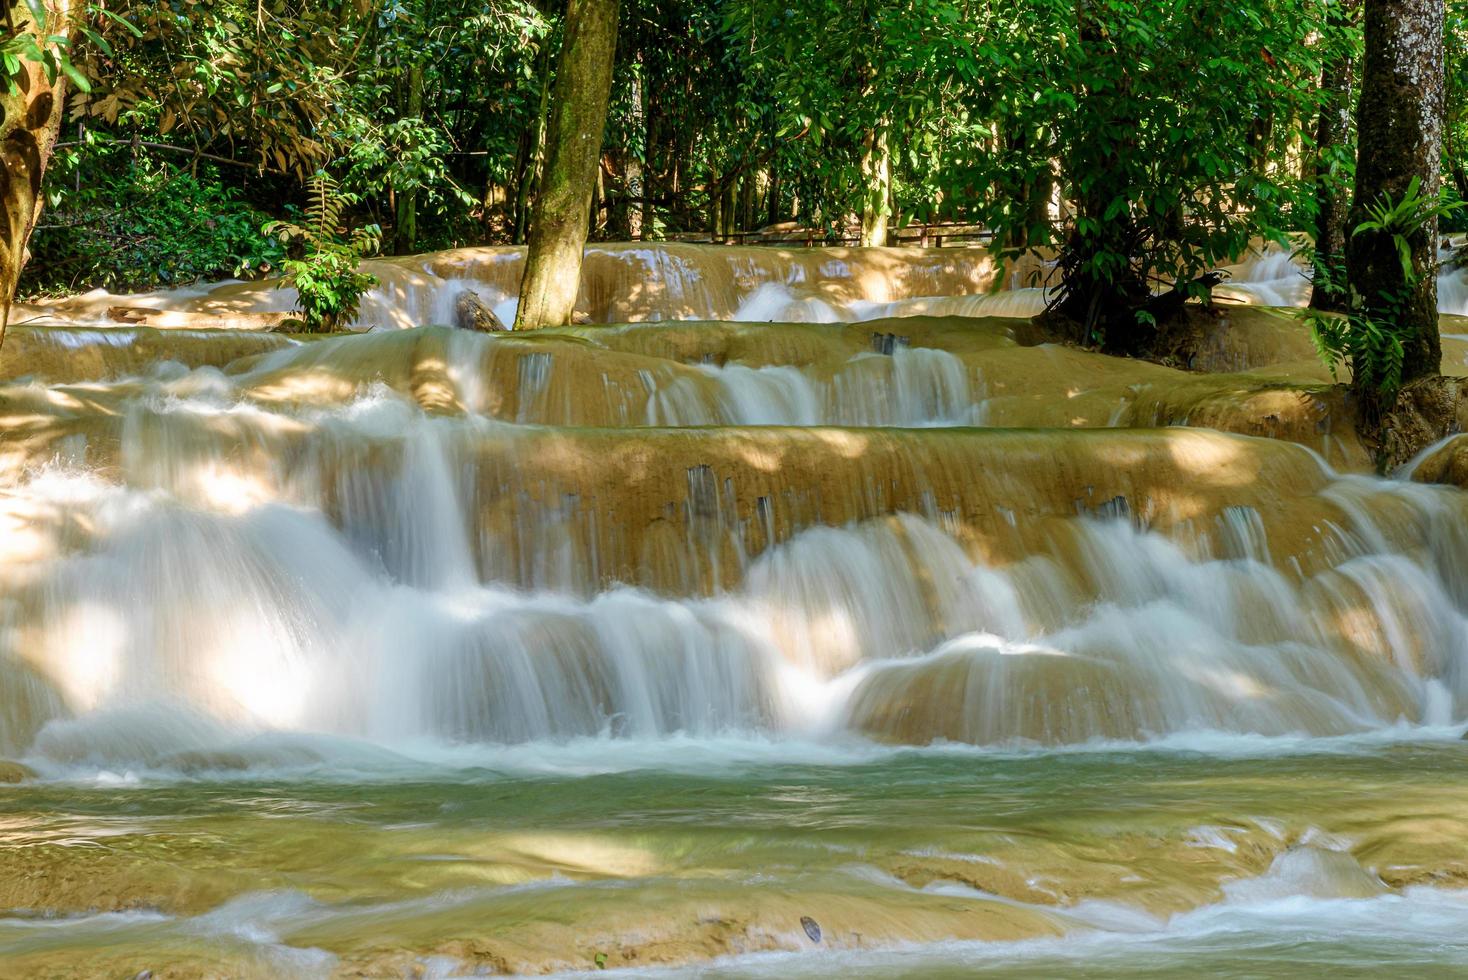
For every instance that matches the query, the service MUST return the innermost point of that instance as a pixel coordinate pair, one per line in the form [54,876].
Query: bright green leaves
[1399,220]
[29,41]
[136,224]
[1367,339]
[328,284]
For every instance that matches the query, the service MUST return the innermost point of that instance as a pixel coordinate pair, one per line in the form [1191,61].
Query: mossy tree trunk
[1399,137]
[32,119]
[1332,136]
[562,211]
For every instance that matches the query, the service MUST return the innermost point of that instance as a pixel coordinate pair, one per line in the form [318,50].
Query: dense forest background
[190,124]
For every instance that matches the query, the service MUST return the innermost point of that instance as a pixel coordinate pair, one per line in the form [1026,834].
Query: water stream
[866,644]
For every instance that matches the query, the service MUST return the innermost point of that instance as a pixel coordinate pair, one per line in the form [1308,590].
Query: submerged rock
[15,772]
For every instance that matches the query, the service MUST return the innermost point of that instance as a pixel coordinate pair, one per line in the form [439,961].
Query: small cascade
[908,387]
[1452,286]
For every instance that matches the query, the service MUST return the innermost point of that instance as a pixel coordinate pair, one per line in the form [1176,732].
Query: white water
[1305,916]
[341,591]
[707,282]
[913,387]
[388,624]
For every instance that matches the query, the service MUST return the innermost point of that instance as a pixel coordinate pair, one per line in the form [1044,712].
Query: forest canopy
[1136,144]
[855,120]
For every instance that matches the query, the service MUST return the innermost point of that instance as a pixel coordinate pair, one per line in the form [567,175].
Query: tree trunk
[1332,136]
[32,120]
[876,172]
[405,224]
[716,211]
[563,205]
[535,149]
[726,231]
[1399,137]
[634,189]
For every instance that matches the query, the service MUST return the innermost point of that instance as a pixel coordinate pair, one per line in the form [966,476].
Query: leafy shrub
[325,274]
[128,225]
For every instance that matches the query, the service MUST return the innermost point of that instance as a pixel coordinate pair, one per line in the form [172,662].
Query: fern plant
[1369,343]
[1368,347]
[1402,219]
[328,284]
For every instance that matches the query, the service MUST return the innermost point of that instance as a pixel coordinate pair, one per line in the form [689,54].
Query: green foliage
[125,224]
[1142,140]
[1366,338]
[1400,220]
[258,82]
[1455,122]
[325,276]
[1369,347]
[1165,124]
[1168,122]
[41,41]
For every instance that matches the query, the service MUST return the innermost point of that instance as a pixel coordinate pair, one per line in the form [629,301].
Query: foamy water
[433,652]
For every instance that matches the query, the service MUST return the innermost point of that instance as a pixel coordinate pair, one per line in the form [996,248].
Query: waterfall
[796,601]
[372,571]
[647,282]
[702,523]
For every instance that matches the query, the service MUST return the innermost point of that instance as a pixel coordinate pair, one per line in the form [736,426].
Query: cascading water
[429,650]
[657,283]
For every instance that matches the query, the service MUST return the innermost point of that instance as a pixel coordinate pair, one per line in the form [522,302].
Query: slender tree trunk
[32,120]
[405,225]
[726,233]
[636,202]
[535,149]
[716,211]
[599,209]
[876,172]
[563,205]
[1399,137]
[1332,136]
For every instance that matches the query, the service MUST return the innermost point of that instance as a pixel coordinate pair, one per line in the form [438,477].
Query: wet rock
[886,343]
[15,772]
[127,314]
[812,928]
[471,313]
[1427,411]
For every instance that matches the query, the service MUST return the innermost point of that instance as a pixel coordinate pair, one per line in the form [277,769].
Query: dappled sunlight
[586,854]
[1216,459]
